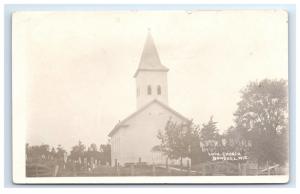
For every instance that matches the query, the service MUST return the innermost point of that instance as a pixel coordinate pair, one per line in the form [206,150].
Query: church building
[133,139]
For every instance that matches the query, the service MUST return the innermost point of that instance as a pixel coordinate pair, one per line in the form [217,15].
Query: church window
[149,91]
[138,91]
[158,90]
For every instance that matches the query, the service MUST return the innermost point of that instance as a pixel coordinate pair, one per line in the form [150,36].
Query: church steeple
[151,76]
[150,60]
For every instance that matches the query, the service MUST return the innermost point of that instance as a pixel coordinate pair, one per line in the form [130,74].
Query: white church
[133,138]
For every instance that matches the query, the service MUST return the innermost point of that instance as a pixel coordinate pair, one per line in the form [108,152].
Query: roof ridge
[121,123]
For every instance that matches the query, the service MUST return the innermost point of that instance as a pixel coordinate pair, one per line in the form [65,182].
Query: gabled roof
[123,125]
[150,60]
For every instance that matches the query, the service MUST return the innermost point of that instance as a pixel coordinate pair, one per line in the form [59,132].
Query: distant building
[133,138]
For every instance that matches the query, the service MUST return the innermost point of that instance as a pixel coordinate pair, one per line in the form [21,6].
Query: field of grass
[48,169]
[52,168]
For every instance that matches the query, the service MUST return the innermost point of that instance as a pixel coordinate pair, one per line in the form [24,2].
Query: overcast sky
[73,72]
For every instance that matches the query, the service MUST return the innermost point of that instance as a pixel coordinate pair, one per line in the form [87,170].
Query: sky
[73,71]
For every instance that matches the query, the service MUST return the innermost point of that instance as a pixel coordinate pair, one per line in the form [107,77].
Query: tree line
[79,154]
[259,130]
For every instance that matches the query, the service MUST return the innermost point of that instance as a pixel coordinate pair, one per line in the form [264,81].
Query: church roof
[150,60]
[122,124]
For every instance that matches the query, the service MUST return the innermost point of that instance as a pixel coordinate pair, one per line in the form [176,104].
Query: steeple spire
[151,76]
[150,60]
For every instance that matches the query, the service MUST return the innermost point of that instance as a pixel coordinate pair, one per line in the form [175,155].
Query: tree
[53,153]
[77,151]
[60,152]
[233,141]
[262,118]
[209,139]
[93,147]
[92,153]
[105,151]
[176,140]
[163,146]
[37,151]
[209,131]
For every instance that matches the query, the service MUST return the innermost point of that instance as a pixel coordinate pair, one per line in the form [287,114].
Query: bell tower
[151,76]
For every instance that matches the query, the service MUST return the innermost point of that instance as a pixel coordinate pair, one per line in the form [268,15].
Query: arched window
[138,92]
[158,90]
[149,91]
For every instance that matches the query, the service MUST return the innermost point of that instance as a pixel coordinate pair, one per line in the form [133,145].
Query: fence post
[167,165]
[189,167]
[118,169]
[239,169]
[85,163]
[56,169]
[74,168]
[116,166]
[246,168]
[268,166]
